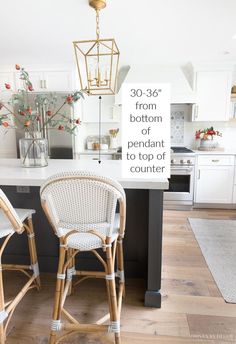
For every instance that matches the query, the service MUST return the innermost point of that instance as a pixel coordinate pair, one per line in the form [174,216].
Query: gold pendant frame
[100,50]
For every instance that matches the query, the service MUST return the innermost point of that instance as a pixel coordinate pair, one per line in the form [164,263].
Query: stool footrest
[90,273]
[85,328]
[16,267]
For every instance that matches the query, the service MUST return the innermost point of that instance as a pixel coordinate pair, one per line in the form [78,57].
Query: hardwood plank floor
[193,310]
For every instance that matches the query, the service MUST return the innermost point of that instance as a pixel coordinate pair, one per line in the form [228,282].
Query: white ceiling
[147,31]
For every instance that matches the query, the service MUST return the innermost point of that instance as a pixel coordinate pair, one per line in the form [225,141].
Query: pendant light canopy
[97,60]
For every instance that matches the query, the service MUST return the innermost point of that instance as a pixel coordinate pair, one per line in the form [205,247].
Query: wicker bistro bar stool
[15,221]
[81,209]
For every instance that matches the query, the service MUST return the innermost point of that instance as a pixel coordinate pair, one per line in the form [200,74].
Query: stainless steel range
[181,183]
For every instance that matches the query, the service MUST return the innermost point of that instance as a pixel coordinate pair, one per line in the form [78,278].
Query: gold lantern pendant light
[97,60]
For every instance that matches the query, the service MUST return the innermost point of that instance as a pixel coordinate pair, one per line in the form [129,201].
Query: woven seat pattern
[86,241]
[6,206]
[5,224]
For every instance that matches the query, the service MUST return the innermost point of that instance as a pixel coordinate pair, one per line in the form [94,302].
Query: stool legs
[34,279]
[120,273]
[32,250]
[71,267]
[58,297]
[2,298]
[112,298]
[66,262]
[2,308]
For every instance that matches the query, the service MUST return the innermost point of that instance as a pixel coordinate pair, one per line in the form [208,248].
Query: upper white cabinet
[91,109]
[50,81]
[58,81]
[213,90]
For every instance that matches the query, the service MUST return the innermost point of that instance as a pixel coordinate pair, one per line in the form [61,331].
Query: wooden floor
[193,310]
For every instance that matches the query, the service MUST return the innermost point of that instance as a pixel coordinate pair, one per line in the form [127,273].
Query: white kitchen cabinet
[213,89]
[214,179]
[91,109]
[49,81]
[58,81]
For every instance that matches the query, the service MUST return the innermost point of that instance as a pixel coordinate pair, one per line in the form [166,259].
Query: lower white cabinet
[214,179]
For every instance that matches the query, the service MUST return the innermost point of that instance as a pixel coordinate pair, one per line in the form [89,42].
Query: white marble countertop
[12,173]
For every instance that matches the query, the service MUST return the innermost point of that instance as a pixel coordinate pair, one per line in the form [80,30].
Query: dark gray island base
[142,243]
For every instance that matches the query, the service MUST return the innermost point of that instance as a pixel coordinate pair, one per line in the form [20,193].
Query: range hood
[179,78]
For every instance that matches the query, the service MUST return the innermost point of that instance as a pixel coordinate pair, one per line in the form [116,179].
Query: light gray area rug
[217,240]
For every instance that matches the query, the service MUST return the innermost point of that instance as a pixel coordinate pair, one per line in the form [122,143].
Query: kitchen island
[143,239]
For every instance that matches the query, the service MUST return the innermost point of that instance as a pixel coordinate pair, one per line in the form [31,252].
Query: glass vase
[209,144]
[113,142]
[33,150]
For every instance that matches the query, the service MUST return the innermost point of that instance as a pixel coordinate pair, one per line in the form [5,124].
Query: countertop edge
[12,173]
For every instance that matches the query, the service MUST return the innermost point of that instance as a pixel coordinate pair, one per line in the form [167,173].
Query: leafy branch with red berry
[19,112]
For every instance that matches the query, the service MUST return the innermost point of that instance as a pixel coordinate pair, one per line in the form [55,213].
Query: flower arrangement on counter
[207,134]
[35,114]
[20,113]
[113,132]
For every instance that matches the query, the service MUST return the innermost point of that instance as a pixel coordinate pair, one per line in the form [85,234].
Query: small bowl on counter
[102,146]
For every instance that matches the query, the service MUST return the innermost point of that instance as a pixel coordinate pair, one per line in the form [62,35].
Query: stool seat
[85,241]
[5,224]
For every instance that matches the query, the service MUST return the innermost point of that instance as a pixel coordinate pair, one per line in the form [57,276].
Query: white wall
[228,130]
[7,143]
[87,129]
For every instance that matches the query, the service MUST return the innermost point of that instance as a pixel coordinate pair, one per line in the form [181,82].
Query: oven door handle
[187,169]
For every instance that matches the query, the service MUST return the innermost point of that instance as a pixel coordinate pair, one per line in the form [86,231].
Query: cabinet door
[49,81]
[35,77]
[91,109]
[213,96]
[214,184]
[58,81]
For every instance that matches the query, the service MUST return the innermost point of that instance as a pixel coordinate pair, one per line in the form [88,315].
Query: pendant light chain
[97,59]
[97,25]
[100,126]
[98,77]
